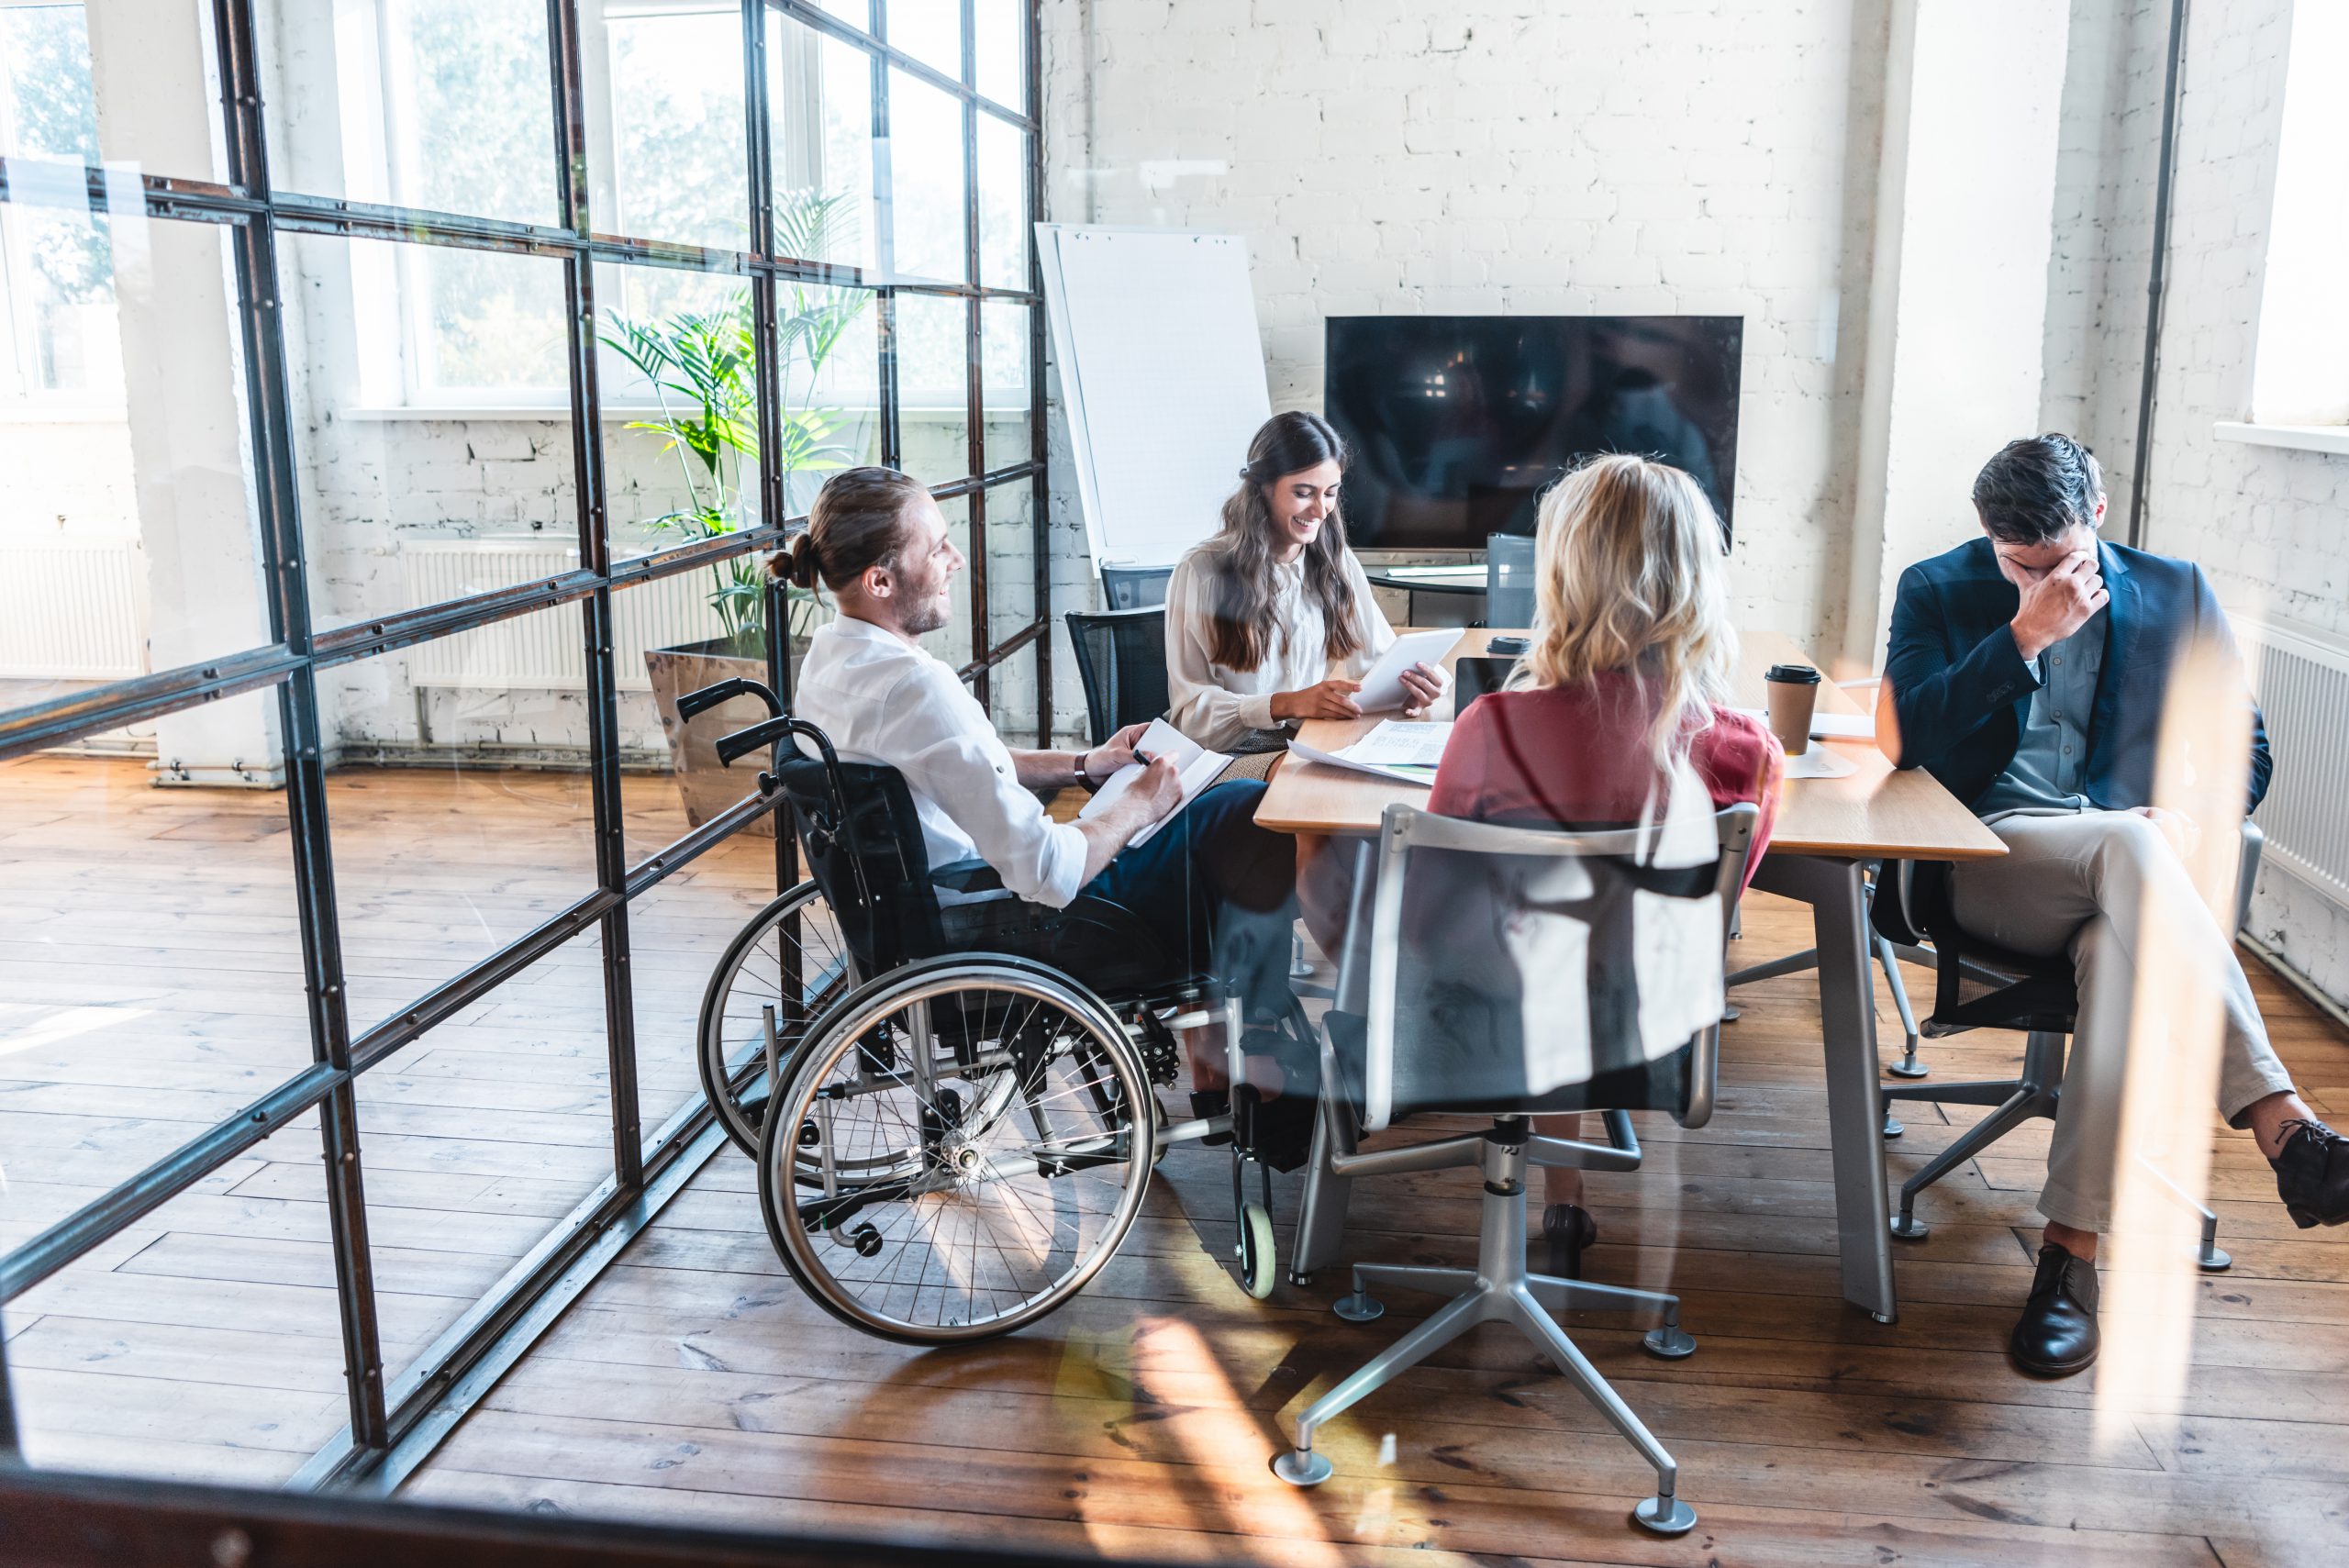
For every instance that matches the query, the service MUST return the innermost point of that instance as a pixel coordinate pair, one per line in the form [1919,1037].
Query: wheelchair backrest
[865,849]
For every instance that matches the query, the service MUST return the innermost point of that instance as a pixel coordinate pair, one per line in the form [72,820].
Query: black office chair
[1508,580]
[2012,991]
[1121,658]
[1430,1017]
[1134,587]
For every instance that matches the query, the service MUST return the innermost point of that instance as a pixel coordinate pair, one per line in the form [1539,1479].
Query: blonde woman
[1628,678]
[1271,620]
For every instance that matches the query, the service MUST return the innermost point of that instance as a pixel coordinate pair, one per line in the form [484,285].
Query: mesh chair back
[1508,580]
[1134,587]
[865,849]
[1121,658]
[1532,968]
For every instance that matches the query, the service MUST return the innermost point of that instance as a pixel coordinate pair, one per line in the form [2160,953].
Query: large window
[368,506]
[2301,376]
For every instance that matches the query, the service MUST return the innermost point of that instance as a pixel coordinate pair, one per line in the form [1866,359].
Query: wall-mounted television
[1458,423]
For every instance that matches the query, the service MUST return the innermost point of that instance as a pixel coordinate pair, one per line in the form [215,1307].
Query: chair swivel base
[1501,1289]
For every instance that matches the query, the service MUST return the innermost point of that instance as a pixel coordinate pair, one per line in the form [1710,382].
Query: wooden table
[1827,833]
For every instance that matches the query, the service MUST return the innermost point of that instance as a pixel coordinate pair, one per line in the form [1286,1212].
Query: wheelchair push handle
[693,703]
[757,738]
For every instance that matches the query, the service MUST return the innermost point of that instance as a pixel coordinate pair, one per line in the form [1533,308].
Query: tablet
[1381,685]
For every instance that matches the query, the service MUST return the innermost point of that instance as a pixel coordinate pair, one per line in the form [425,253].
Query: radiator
[2301,678]
[72,610]
[541,650]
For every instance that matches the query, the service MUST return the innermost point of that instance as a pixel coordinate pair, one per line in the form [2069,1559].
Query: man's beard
[929,618]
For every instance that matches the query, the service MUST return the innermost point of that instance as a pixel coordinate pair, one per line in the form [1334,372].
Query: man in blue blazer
[2026,672]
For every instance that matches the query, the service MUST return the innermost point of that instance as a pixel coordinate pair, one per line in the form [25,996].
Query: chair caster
[1669,1341]
[2211,1260]
[1665,1515]
[1302,1467]
[1300,1280]
[1359,1307]
[1908,1067]
[1892,1128]
[1257,1271]
[1908,1228]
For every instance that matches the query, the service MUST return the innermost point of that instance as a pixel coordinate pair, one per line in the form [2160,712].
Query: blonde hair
[1628,577]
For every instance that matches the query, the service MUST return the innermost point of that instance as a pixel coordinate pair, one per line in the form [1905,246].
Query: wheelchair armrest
[966,877]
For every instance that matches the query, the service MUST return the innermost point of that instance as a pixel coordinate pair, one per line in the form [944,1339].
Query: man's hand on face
[2056,603]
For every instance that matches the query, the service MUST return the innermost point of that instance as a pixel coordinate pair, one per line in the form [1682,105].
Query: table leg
[1854,1111]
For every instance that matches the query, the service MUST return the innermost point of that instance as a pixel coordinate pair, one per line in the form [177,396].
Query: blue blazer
[1960,687]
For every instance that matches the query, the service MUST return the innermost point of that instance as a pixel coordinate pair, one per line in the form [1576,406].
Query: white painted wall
[1504,156]
[2270,526]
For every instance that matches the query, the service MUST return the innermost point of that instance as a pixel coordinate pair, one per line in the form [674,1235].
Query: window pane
[413,490]
[128,538]
[934,387]
[478,1138]
[151,961]
[459,800]
[1011,603]
[679,374]
[202,1343]
[1005,346]
[676,931]
[1003,204]
[819,127]
[448,105]
[673,636]
[927,189]
[828,370]
[679,170]
[855,13]
[1002,27]
[929,30]
[82,93]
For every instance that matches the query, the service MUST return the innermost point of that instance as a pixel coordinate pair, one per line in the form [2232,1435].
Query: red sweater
[1578,755]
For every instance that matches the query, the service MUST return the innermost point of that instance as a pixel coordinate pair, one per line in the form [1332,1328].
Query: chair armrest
[2254,844]
[966,877]
[1898,908]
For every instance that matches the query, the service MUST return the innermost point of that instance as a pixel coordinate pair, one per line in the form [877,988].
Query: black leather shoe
[2057,1335]
[2312,1175]
[1568,1227]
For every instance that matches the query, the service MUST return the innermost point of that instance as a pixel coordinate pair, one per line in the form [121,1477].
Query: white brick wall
[1513,156]
[2270,526]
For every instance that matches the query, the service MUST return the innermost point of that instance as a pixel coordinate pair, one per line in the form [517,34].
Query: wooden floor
[148,977]
[695,1383]
[150,986]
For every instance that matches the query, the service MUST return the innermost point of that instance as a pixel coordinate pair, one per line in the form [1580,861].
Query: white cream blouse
[1218,706]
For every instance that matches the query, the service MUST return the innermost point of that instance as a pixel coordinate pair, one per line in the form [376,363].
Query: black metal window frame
[392,1429]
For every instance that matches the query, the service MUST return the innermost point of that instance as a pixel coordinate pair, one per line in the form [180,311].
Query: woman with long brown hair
[1271,621]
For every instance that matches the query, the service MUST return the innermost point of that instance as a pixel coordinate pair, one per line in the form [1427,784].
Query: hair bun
[796,562]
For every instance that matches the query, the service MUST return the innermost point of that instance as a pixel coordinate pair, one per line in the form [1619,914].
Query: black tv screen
[1458,423]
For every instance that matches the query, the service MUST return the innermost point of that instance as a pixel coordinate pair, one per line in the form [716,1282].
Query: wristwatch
[1083,777]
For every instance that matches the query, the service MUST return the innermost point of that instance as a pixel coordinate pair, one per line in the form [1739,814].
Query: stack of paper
[1398,750]
[1197,764]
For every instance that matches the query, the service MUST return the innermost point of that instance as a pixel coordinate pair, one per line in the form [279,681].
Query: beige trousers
[2078,884]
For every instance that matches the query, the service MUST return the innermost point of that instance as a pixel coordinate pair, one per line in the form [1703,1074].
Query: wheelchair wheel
[977,1174]
[794,936]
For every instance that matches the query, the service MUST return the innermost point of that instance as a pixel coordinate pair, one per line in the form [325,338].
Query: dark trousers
[1211,885]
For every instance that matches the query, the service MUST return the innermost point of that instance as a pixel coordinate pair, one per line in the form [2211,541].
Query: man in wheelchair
[1212,891]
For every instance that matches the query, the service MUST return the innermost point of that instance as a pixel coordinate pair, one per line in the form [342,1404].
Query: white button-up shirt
[1218,706]
[881,700]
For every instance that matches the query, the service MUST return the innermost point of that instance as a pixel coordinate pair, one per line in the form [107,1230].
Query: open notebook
[1198,765]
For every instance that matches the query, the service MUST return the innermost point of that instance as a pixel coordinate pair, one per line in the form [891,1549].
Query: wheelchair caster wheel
[1256,1258]
[866,1240]
[1665,1515]
[1669,1341]
[1302,1467]
[1359,1307]
[2213,1261]
[1892,1128]
[810,1135]
[1908,1228]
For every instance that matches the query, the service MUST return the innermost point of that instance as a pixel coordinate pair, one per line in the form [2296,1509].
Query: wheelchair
[949,1092]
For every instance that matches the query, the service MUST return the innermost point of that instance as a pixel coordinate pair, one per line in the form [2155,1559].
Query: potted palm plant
[701,366]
